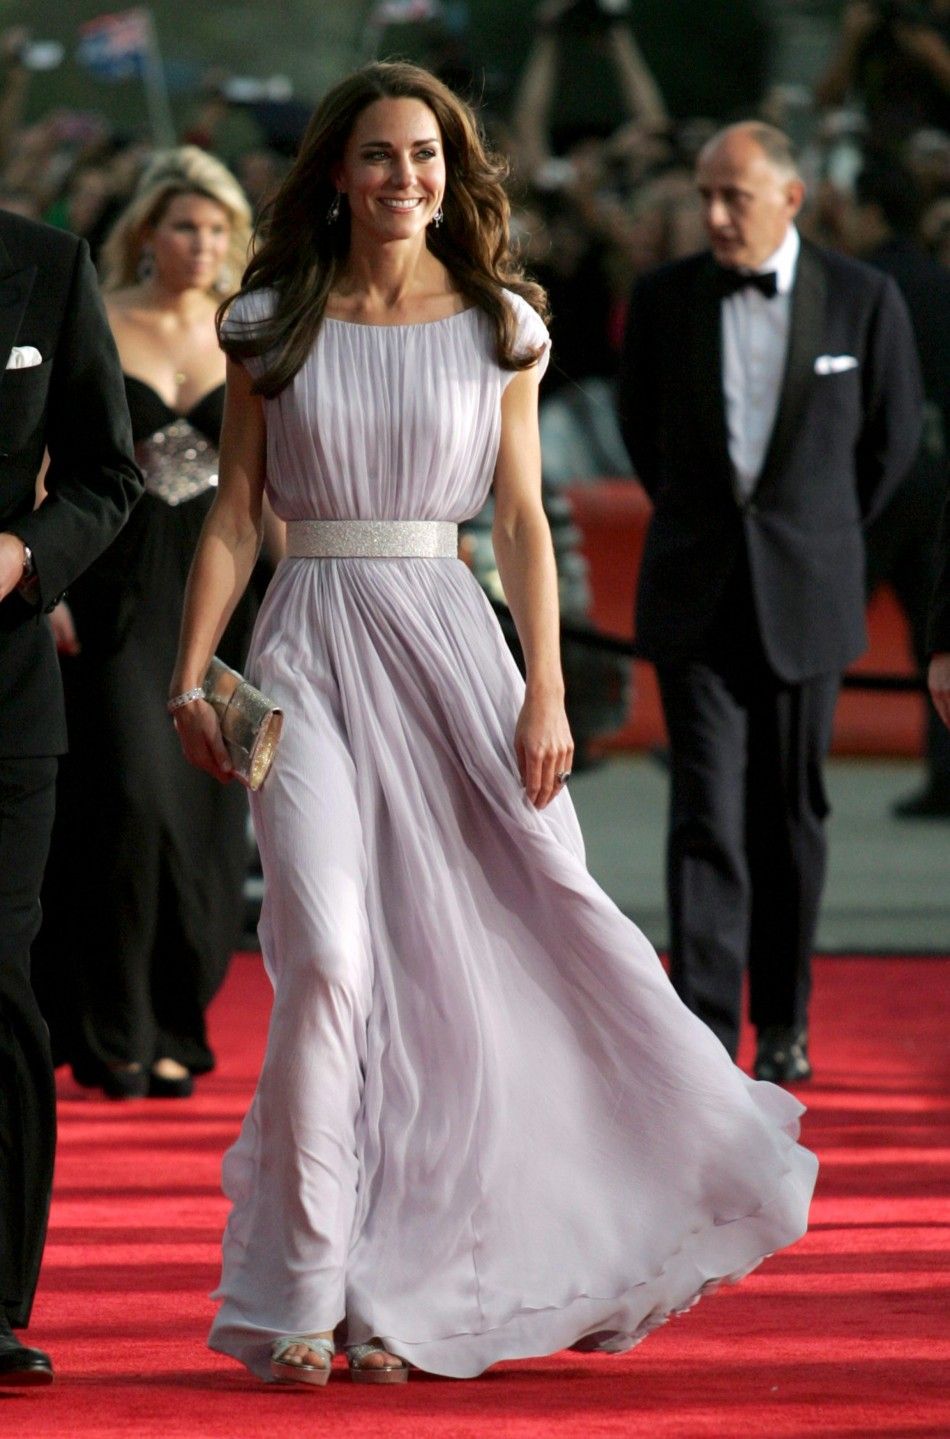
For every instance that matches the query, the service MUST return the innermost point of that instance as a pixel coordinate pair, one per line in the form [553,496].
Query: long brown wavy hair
[300,255]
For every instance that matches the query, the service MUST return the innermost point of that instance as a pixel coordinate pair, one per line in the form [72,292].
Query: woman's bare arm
[525,558]
[227,550]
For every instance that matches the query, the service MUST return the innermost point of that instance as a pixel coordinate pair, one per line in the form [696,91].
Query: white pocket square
[23,356]
[834,364]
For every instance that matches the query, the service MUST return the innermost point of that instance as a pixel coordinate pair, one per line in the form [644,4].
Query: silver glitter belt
[372,539]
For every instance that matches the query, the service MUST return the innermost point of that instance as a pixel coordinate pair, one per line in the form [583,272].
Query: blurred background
[601,107]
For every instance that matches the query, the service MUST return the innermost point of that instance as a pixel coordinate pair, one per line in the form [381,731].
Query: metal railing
[618,645]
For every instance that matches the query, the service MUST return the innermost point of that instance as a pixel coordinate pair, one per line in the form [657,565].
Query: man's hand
[938,680]
[64,630]
[12,558]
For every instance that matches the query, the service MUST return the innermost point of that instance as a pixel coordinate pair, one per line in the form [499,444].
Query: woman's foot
[372,1364]
[170,1080]
[302,1358]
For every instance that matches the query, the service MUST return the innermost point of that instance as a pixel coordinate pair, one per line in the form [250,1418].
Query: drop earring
[437,218]
[145,268]
[333,214]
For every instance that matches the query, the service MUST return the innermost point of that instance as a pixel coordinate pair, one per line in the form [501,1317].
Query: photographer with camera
[895,56]
[575,162]
[562,25]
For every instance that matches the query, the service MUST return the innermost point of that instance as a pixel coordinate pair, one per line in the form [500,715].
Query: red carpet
[846,1334]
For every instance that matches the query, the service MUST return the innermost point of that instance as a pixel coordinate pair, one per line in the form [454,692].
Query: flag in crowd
[396,12]
[116,47]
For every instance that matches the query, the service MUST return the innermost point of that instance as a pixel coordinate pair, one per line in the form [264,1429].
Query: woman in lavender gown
[485,1126]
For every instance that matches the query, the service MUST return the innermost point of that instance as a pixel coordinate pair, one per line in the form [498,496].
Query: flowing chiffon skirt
[486,1127]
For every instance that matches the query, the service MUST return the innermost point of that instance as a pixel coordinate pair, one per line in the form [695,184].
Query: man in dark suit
[770,399]
[938,635]
[880,224]
[61,390]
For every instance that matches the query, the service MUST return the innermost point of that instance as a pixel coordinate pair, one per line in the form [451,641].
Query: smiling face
[748,201]
[393,170]
[190,242]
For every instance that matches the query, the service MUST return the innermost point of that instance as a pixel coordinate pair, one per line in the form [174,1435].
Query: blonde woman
[144,894]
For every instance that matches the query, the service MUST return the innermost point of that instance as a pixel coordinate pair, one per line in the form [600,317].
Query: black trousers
[27,1093]
[746,851]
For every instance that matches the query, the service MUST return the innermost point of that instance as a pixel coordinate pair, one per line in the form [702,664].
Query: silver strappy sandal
[396,1372]
[292,1371]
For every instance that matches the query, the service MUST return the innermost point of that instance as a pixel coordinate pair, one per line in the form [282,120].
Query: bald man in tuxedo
[770,398]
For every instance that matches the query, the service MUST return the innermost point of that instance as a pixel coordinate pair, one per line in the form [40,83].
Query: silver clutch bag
[250,722]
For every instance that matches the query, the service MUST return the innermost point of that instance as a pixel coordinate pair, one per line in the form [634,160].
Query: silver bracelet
[176,704]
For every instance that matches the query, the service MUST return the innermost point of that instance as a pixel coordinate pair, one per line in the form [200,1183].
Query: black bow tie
[730,282]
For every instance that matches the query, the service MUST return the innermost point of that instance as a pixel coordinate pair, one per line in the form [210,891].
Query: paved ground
[888,886]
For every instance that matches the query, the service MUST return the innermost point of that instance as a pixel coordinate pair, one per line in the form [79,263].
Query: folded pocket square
[834,364]
[23,356]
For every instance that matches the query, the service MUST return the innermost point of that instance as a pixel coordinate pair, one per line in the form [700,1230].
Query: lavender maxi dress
[485,1126]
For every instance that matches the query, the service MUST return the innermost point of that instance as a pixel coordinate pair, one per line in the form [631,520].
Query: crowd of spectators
[596,202]
[597,210]
[593,206]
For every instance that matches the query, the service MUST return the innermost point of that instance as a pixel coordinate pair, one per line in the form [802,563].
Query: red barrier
[612,516]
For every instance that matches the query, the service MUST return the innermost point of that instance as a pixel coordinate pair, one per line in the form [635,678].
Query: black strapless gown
[143,895]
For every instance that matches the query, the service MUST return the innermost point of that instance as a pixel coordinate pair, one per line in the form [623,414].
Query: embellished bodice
[177,453]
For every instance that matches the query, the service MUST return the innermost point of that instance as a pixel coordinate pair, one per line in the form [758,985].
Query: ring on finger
[563,776]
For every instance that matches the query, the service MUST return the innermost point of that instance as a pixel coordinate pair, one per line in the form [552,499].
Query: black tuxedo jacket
[938,634]
[73,404]
[840,446]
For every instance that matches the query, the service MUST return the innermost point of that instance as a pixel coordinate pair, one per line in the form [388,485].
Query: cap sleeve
[241,320]
[531,334]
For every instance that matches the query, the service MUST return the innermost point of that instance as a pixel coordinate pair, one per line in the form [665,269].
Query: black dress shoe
[163,1086]
[87,1073]
[21,1366]
[931,802]
[782,1055]
[127,1082]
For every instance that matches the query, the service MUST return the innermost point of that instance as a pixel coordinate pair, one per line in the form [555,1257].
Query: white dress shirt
[754,347]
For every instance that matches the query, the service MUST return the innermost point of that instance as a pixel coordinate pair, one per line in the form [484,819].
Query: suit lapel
[805,341]
[706,366]
[15,289]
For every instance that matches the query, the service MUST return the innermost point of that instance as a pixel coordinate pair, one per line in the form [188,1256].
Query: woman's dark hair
[299,254]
